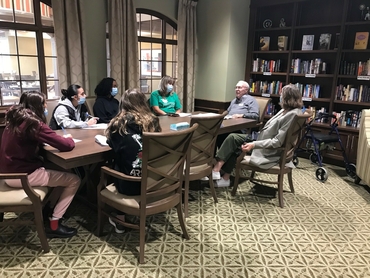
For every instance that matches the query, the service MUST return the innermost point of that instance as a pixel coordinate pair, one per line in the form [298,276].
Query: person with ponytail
[165,101]
[24,134]
[106,105]
[71,112]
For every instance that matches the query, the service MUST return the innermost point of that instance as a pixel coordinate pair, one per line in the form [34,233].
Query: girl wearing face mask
[164,100]
[106,105]
[71,111]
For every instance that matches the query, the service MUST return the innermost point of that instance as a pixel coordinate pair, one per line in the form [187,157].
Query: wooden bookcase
[311,17]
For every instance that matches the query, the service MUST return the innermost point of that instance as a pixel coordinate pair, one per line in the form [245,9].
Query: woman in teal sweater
[165,101]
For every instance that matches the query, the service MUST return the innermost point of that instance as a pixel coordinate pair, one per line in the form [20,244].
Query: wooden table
[89,152]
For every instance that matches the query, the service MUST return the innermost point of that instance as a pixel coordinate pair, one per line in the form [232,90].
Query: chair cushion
[111,193]
[245,164]
[17,196]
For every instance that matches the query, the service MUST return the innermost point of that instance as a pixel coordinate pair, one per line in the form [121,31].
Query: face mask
[81,101]
[114,91]
[46,112]
[169,88]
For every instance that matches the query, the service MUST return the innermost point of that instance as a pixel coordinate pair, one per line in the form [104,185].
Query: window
[157,46]
[28,59]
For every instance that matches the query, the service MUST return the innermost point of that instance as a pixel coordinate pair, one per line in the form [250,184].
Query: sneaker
[117,227]
[222,183]
[216,175]
[204,179]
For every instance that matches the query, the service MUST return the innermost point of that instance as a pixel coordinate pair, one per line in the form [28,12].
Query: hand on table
[92,121]
[235,116]
[67,136]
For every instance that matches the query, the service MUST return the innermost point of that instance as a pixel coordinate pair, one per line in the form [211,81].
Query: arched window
[157,36]
[28,59]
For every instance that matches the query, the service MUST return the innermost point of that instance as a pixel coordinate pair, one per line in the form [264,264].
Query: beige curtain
[187,43]
[71,43]
[123,43]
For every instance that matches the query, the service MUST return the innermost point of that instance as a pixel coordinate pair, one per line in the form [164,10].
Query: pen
[64,131]
[88,116]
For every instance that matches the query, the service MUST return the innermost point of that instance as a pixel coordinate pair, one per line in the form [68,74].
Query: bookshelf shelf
[307,19]
[365,104]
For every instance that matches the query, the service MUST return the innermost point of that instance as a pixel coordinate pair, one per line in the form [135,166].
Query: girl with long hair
[25,132]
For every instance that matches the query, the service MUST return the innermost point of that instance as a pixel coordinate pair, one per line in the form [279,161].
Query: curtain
[71,43]
[187,43]
[123,43]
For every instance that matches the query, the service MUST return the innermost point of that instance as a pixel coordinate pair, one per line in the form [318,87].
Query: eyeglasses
[240,87]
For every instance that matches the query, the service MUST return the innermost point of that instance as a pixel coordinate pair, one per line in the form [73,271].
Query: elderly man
[242,106]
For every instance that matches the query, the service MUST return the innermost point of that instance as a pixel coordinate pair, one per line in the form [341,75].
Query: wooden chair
[200,162]
[25,199]
[263,102]
[163,159]
[90,104]
[287,152]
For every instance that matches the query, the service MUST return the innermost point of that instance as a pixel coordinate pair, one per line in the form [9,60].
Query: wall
[95,12]
[222,43]
[165,7]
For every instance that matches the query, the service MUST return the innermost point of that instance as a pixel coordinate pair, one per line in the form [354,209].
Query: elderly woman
[271,136]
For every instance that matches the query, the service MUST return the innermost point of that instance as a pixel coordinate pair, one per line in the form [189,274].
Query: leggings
[66,185]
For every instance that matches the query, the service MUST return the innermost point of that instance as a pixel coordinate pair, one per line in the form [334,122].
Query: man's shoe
[222,183]
[61,231]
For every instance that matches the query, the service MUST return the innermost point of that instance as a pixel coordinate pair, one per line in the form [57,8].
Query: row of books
[309,90]
[308,67]
[266,87]
[260,65]
[360,93]
[359,69]
[348,118]
[282,43]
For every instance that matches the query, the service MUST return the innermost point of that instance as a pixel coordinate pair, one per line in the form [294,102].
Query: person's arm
[62,118]
[178,105]
[48,136]
[278,139]
[154,103]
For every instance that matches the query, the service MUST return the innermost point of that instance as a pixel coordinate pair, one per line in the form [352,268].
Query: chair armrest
[118,175]
[32,194]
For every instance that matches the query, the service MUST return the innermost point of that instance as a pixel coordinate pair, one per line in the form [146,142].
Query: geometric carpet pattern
[323,231]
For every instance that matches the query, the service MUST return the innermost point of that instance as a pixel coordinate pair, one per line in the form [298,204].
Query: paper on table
[184,114]
[97,126]
[101,139]
[205,115]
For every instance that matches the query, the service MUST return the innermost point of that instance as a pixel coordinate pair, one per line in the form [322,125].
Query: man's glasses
[240,87]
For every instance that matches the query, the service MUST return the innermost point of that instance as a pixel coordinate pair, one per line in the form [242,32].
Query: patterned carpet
[323,231]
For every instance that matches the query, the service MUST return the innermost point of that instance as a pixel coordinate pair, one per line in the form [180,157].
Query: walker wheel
[351,171]
[321,174]
[314,158]
[295,161]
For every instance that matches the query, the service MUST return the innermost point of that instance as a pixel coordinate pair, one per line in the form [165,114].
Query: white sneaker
[222,183]
[117,227]
[216,175]
[204,179]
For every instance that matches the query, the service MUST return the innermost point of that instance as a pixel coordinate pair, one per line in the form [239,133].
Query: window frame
[163,41]
[39,29]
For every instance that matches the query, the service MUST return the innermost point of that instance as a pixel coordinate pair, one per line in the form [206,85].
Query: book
[282,43]
[264,43]
[324,41]
[361,40]
[307,42]
[337,41]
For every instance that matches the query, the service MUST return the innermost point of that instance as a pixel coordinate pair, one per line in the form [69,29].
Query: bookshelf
[334,79]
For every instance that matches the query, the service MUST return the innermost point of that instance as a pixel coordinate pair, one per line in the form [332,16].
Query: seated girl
[71,112]
[25,131]
[106,105]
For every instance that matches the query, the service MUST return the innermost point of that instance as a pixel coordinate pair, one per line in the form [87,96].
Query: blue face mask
[81,100]
[114,91]
[169,88]
[46,112]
